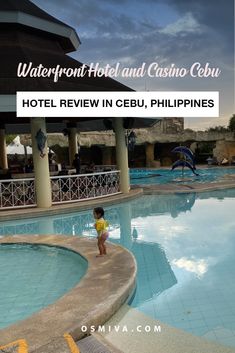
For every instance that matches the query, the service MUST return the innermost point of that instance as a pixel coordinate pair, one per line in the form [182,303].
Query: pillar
[3,150]
[122,155]
[41,166]
[73,144]
[149,152]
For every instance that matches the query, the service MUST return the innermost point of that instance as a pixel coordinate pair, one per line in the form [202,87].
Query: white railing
[17,193]
[72,188]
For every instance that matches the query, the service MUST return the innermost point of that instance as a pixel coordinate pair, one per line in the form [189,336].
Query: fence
[72,188]
[19,193]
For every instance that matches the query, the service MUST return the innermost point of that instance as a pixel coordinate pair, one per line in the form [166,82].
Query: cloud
[186,24]
[166,31]
[197,266]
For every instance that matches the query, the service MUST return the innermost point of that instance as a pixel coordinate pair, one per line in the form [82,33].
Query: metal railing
[19,193]
[72,188]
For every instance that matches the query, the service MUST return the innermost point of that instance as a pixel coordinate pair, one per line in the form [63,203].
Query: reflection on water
[184,246]
[163,176]
[119,217]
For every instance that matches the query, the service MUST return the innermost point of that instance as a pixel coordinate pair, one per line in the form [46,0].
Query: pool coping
[173,188]
[106,286]
[21,213]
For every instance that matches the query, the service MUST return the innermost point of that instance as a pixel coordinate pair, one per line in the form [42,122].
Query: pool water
[34,276]
[163,176]
[184,245]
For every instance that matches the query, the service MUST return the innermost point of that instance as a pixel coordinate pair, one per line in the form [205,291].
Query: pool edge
[66,314]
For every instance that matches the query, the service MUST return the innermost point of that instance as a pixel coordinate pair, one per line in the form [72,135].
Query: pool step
[65,344]
[167,340]
[96,344]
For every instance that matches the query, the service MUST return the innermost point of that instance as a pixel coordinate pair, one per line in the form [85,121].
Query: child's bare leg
[100,247]
[103,247]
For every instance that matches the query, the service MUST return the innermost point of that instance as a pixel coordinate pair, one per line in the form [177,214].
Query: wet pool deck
[107,284]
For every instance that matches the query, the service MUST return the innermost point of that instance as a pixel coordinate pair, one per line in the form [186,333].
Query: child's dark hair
[99,211]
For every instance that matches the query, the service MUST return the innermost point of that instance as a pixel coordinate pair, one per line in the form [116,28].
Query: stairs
[95,344]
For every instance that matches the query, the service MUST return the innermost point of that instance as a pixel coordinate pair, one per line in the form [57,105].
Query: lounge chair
[225,161]
[233,160]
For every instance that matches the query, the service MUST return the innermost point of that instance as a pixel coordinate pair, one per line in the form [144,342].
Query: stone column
[73,144]
[41,166]
[122,155]
[3,149]
[149,152]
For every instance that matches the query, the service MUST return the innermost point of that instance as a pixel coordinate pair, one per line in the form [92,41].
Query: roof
[27,14]
[28,7]
[30,35]
[27,47]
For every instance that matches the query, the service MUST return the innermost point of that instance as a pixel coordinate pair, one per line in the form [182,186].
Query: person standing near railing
[28,168]
[77,163]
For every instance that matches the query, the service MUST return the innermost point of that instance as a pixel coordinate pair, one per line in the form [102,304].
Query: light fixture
[131,140]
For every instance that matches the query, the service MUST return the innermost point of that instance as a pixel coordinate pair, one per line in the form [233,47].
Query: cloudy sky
[165,31]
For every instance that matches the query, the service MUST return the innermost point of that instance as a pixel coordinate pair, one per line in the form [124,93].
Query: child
[101,226]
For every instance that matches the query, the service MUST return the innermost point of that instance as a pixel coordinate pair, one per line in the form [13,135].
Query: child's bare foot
[99,255]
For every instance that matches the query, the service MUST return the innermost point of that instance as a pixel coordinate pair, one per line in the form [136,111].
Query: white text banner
[152,104]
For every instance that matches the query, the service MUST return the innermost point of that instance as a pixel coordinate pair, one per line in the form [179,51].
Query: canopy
[16,147]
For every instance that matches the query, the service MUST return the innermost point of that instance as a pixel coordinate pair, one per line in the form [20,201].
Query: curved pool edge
[21,213]
[112,281]
[172,188]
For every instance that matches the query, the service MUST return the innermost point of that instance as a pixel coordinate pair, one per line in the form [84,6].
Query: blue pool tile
[199,331]
[210,335]
[228,341]
[197,315]
[171,251]
[223,333]
[213,321]
[197,323]
[228,319]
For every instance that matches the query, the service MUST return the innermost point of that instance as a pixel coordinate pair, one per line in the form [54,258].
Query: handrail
[20,193]
[14,179]
[71,188]
[83,175]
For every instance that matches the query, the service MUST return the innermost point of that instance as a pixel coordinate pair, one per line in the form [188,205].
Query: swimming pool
[163,176]
[34,276]
[184,245]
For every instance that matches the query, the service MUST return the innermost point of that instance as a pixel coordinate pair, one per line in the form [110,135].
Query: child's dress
[101,226]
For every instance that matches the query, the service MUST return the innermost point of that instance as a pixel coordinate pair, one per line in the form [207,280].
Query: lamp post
[131,140]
